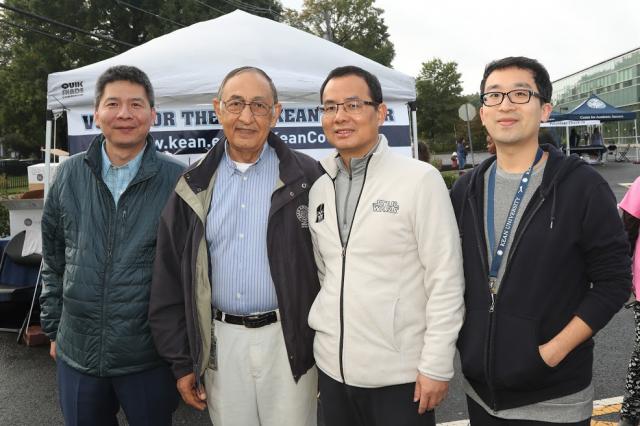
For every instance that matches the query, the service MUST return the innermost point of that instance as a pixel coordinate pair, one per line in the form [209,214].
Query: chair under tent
[621,153]
[19,287]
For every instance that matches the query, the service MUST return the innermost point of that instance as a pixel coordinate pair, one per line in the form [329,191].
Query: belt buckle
[253,321]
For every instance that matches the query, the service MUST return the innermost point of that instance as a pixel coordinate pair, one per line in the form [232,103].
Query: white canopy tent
[187,66]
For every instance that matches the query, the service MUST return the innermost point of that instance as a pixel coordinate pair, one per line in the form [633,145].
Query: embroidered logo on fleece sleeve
[302,213]
[320,213]
[384,206]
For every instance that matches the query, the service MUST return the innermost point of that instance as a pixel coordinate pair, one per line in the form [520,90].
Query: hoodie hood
[557,169]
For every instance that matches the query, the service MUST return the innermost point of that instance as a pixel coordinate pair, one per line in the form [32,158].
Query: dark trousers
[478,416]
[344,405]
[148,398]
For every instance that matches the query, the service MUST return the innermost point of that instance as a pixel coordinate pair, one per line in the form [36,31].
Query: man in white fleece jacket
[390,266]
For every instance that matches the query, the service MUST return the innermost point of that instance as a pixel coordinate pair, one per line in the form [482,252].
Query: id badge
[213,354]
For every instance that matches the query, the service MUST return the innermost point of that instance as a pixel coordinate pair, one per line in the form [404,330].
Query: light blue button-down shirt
[236,233]
[118,178]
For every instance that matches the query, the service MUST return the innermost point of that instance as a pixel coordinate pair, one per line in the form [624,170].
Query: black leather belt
[249,321]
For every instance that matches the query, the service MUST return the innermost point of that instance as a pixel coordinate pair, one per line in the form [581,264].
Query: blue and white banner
[185,130]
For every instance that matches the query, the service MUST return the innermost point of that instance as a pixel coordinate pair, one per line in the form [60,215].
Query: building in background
[616,81]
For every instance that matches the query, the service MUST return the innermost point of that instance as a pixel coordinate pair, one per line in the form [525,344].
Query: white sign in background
[191,130]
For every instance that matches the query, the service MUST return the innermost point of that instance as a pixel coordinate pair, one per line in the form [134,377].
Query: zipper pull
[344,251]
[492,290]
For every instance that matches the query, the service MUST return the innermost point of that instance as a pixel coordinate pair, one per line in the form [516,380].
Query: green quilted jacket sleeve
[53,249]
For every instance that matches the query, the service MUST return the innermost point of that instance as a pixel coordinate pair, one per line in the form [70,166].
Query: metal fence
[13,176]
[13,184]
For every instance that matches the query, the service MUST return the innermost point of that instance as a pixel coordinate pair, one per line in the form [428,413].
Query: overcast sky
[565,35]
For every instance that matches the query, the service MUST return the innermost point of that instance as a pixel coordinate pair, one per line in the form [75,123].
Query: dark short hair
[240,70]
[124,73]
[423,152]
[540,74]
[375,90]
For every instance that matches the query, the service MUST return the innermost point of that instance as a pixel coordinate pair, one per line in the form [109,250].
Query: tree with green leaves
[29,55]
[354,24]
[40,37]
[438,90]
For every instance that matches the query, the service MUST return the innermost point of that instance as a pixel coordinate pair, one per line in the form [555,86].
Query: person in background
[630,206]
[99,229]
[461,150]
[454,160]
[596,138]
[573,138]
[423,152]
[547,137]
[491,146]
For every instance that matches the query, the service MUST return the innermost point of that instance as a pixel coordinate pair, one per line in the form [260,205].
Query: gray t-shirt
[566,409]
[505,189]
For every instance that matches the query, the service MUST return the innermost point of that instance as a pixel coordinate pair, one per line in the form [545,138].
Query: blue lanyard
[498,252]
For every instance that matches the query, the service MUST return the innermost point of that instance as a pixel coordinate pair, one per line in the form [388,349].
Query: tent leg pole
[47,153]
[414,129]
[635,128]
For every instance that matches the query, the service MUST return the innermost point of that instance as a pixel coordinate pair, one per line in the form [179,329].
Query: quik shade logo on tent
[72,89]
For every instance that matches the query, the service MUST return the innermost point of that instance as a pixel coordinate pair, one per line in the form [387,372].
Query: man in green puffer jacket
[99,234]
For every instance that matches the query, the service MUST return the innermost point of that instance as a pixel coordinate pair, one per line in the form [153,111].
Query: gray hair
[241,70]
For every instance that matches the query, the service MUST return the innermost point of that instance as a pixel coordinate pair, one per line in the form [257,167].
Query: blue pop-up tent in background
[591,112]
[595,108]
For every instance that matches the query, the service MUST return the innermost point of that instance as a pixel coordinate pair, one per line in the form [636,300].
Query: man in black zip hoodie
[545,261]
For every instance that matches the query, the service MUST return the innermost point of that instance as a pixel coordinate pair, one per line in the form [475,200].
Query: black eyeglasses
[517,96]
[352,106]
[236,106]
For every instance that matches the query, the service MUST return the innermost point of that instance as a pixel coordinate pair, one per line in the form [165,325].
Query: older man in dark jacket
[98,233]
[234,250]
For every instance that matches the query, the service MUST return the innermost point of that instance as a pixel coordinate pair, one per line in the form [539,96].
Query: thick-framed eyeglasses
[236,106]
[517,96]
[352,106]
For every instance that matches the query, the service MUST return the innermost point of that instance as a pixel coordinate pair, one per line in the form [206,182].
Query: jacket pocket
[382,326]
[472,344]
[517,363]
[318,317]
[396,316]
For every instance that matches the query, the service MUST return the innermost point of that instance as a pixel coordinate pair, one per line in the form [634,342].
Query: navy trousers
[344,405]
[148,398]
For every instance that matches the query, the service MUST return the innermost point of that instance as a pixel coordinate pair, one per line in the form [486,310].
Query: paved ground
[27,375]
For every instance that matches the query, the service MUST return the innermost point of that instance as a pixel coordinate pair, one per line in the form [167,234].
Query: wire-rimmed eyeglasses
[351,106]
[236,106]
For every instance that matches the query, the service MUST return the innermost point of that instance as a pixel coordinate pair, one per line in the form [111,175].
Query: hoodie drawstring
[462,209]
[553,205]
